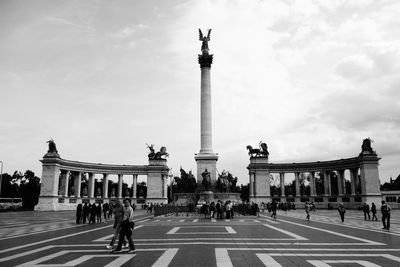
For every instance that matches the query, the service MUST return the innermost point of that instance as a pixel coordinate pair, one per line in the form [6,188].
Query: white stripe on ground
[335,233]
[268,260]
[52,239]
[230,230]
[324,263]
[173,231]
[297,237]
[166,258]
[222,258]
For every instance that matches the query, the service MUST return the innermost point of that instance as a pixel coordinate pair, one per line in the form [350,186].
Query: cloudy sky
[103,78]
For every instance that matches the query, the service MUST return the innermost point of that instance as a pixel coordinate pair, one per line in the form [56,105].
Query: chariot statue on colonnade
[162,154]
[262,151]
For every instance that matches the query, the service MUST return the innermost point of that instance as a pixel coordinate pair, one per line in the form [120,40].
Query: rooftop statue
[366,148]
[52,146]
[205,40]
[262,151]
[162,154]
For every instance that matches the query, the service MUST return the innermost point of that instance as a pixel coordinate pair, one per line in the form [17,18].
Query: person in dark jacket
[79,214]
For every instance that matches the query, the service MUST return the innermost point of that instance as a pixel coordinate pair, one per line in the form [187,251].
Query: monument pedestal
[209,162]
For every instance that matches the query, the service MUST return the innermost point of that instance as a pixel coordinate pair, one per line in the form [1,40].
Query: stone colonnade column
[297,183]
[105,185]
[120,181]
[134,185]
[353,179]
[312,184]
[91,185]
[282,181]
[341,182]
[327,183]
[66,184]
[77,184]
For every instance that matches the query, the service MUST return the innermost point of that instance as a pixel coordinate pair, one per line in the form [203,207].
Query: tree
[9,188]
[244,192]
[29,189]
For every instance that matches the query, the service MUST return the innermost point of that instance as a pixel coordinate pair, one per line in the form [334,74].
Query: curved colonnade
[363,169]
[57,193]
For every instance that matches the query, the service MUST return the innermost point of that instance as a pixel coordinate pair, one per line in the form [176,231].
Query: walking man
[118,216]
[385,210]
[126,228]
[341,211]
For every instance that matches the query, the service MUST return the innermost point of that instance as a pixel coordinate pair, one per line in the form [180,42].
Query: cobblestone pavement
[52,239]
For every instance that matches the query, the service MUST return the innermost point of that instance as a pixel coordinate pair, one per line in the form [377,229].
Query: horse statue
[206,179]
[52,146]
[366,147]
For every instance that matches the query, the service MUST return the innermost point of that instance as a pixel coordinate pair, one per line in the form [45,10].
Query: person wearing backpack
[385,210]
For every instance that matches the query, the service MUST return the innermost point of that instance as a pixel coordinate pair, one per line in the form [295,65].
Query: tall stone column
[134,185]
[206,158]
[105,185]
[91,185]
[282,180]
[120,181]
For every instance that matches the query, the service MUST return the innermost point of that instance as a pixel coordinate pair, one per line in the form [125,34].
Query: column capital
[205,60]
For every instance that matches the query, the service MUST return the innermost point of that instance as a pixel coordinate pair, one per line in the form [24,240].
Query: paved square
[52,239]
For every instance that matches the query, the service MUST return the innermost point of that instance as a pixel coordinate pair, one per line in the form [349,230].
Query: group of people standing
[210,209]
[92,213]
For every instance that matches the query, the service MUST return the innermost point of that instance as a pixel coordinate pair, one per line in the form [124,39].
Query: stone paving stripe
[181,220]
[222,258]
[166,258]
[335,233]
[268,260]
[324,263]
[195,220]
[52,239]
[24,253]
[297,237]
[173,231]
[230,230]
[108,237]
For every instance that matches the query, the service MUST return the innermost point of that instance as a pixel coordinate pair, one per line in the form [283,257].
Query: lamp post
[1,175]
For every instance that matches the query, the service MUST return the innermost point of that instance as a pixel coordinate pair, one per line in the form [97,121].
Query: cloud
[355,67]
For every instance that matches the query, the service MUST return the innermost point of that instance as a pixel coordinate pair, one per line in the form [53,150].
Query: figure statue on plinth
[366,148]
[205,40]
[206,179]
[52,146]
